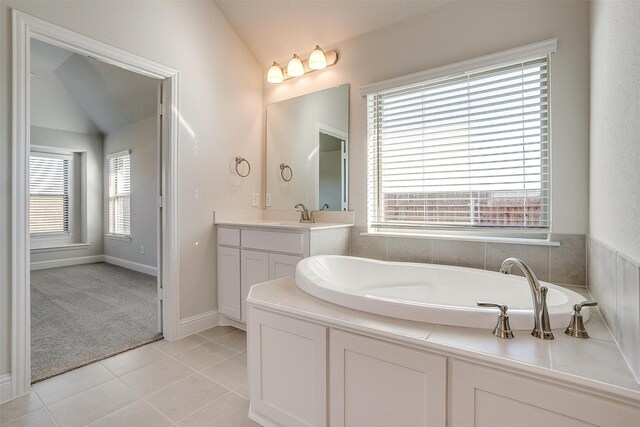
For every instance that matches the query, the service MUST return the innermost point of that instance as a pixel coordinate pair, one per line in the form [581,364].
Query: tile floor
[200,380]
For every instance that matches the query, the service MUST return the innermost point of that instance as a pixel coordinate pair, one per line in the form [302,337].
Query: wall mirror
[307,151]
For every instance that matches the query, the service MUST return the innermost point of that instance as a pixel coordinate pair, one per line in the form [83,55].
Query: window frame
[489,62]
[110,233]
[45,152]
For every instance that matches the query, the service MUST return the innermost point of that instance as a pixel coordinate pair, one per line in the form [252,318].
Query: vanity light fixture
[318,60]
[275,74]
[295,67]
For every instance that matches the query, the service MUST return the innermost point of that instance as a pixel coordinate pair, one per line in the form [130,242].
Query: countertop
[287,225]
[595,364]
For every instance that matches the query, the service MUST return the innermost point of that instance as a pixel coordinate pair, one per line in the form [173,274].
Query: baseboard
[65,262]
[198,323]
[5,388]
[135,266]
[227,321]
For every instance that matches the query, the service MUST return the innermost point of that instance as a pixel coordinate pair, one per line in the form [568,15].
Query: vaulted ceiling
[111,97]
[274,29]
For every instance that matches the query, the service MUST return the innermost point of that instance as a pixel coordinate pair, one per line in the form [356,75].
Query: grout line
[78,392]
[205,406]
[485,256]
[46,408]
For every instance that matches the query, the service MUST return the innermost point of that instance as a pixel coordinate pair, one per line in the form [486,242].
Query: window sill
[482,239]
[119,237]
[69,247]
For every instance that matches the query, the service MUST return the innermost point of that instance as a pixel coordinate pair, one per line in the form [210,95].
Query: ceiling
[274,29]
[112,97]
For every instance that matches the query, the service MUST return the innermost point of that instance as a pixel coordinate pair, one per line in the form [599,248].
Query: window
[467,151]
[49,194]
[120,193]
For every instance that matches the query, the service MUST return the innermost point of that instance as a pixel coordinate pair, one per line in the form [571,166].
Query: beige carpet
[84,313]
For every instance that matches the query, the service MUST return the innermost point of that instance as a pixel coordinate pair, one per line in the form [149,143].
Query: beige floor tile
[243,390]
[90,405]
[19,407]
[156,376]
[236,340]
[205,355]
[139,413]
[185,397]
[231,373]
[174,347]
[217,331]
[131,360]
[58,388]
[39,418]
[229,410]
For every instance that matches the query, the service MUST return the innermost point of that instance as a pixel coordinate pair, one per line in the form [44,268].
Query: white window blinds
[469,151]
[49,194]
[119,165]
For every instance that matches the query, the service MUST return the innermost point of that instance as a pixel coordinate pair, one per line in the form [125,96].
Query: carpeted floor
[84,313]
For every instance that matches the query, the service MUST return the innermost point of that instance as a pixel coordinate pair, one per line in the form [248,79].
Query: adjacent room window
[120,193]
[466,152]
[49,194]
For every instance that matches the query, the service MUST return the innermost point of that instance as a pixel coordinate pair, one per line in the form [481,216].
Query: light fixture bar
[332,58]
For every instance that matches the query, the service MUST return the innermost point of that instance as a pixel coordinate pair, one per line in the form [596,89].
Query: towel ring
[282,168]
[240,160]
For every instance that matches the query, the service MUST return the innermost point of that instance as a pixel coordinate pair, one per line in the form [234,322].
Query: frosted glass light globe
[317,60]
[295,67]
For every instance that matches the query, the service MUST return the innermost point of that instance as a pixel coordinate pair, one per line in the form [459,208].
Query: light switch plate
[268,199]
[255,200]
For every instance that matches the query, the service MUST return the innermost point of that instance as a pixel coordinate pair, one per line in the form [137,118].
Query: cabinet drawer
[229,236]
[292,243]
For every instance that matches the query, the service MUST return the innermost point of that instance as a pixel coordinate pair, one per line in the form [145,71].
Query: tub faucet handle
[576,324]
[502,329]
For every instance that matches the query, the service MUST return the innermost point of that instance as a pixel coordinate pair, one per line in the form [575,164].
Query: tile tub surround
[594,364]
[614,281]
[195,381]
[564,264]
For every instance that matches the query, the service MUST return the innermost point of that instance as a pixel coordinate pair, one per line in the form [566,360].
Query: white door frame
[25,28]
[344,159]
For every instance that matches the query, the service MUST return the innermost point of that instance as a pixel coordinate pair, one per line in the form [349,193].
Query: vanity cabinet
[229,274]
[376,383]
[288,369]
[252,255]
[487,397]
[258,267]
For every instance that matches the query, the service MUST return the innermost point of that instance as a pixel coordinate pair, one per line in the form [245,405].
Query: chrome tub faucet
[541,324]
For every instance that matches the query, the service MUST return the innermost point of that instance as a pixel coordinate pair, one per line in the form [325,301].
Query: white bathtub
[429,293]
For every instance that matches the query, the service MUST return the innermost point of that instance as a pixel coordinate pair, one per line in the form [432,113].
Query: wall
[221,116]
[455,32]
[291,139]
[614,227]
[330,177]
[53,107]
[58,121]
[91,146]
[142,139]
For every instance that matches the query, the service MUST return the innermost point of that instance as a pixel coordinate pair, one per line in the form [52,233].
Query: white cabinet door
[254,269]
[229,282]
[282,265]
[486,397]
[375,383]
[287,369]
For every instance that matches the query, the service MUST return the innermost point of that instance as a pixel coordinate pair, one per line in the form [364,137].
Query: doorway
[25,30]
[93,215]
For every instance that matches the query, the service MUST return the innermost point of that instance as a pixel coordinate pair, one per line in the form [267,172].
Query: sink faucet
[541,324]
[325,207]
[305,215]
